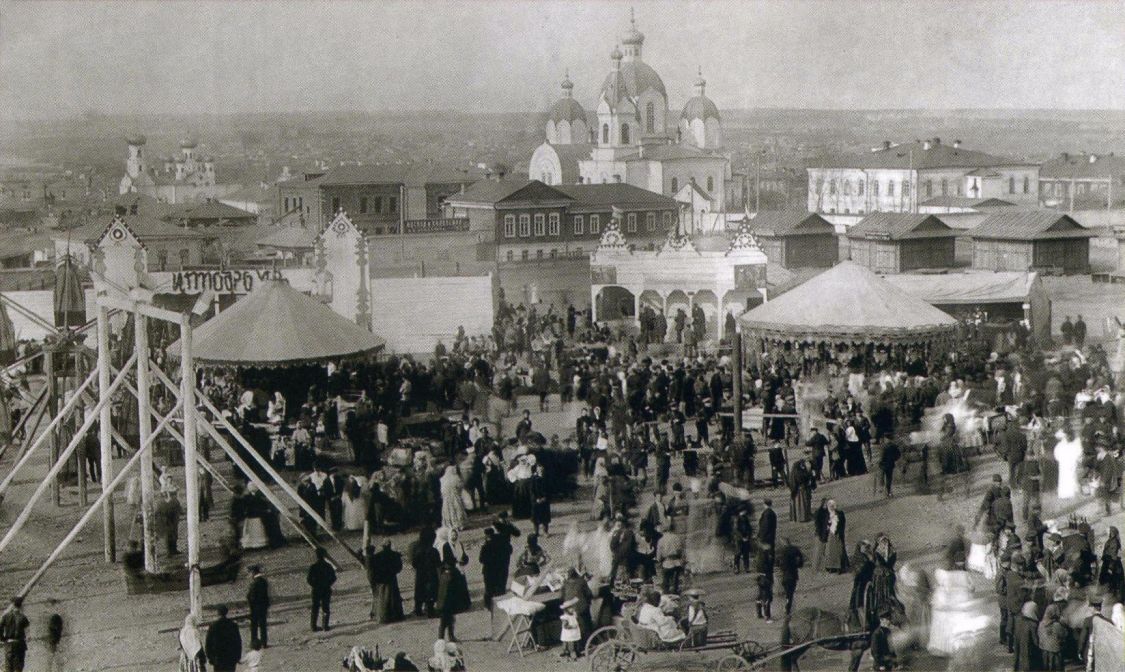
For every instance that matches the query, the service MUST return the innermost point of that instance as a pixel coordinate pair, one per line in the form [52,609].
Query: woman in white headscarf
[452,507]
[192,657]
[447,657]
[275,412]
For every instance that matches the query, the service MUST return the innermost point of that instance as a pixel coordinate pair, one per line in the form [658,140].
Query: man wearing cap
[320,577]
[168,512]
[258,602]
[670,556]
[13,631]
[1014,596]
[790,562]
[817,443]
[743,540]
[767,525]
[882,651]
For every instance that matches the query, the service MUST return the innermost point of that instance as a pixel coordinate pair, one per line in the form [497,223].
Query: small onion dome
[700,107]
[567,85]
[633,36]
[187,144]
[616,55]
[567,109]
[136,140]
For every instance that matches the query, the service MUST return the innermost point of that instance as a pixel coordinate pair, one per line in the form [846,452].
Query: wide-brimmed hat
[694,592]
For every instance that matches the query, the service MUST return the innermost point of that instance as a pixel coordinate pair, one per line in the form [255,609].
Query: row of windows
[846,187]
[525,228]
[162,259]
[544,226]
[1026,185]
[391,203]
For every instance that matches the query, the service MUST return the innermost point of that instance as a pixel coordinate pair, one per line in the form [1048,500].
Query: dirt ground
[108,630]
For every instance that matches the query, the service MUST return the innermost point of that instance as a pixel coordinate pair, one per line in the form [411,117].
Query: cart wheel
[613,656]
[750,650]
[601,636]
[731,662]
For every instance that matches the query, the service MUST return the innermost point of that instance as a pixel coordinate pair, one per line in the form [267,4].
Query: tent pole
[55,420]
[144,423]
[53,472]
[53,409]
[105,439]
[83,482]
[191,469]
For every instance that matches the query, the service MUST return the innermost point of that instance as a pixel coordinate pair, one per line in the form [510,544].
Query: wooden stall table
[525,618]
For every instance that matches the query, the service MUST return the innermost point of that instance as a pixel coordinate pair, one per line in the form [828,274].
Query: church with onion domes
[632,137]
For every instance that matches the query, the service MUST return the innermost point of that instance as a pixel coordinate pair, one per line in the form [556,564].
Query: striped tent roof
[276,325]
[848,304]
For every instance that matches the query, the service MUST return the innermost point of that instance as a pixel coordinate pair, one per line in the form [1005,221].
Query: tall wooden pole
[80,462]
[105,440]
[144,424]
[736,383]
[191,469]
[52,410]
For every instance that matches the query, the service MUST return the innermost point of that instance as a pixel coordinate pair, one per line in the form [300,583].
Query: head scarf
[189,637]
[1029,610]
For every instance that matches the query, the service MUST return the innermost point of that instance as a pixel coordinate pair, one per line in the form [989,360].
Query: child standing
[696,620]
[571,632]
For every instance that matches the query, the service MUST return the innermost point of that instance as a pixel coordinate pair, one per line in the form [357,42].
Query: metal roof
[901,226]
[1030,225]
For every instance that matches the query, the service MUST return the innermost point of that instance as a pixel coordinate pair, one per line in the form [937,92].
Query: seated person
[651,617]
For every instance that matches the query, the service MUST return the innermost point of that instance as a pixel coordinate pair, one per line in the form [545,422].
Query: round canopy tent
[848,304]
[276,325]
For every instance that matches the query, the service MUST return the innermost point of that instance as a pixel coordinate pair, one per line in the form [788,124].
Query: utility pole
[758,182]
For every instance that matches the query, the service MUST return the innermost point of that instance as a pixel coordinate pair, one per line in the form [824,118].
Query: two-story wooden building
[533,220]
[895,242]
[1031,240]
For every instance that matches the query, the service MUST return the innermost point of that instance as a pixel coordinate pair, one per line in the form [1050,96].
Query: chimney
[926,144]
[886,144]
[1066,156]
[937,141]
[956,144]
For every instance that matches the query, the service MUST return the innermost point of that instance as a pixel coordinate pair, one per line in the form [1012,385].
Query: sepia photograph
[562,335]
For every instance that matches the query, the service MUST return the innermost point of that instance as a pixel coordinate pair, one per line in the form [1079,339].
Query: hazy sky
[61,58]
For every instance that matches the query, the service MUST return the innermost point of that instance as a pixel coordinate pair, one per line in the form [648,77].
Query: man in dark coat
[258,601]
[13,631]
[743,541]
[1014,597]
[767,525]
[495,559]
[383,568]
[1026,637]
[1013,445]
[622,546]
[1002,513]
[790,560]
[425,559]
[887,461]
[320,578]
[223,645]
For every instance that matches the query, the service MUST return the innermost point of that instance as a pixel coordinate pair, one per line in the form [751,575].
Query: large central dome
[638,77]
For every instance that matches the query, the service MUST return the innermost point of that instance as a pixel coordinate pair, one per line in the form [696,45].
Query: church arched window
[605,134]
[650,118]
[624,134]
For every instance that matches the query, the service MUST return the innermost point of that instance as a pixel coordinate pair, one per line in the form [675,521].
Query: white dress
[1068,454]
[958,617]
[354,514]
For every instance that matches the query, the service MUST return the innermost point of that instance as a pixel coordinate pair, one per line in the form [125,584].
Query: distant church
[636,142]
[183,178]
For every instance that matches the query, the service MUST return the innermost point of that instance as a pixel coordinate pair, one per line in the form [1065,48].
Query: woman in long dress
[254,528]
[192,658]
[452,507]
[881,596]
[835,550]
[1068,453]
[354,508]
